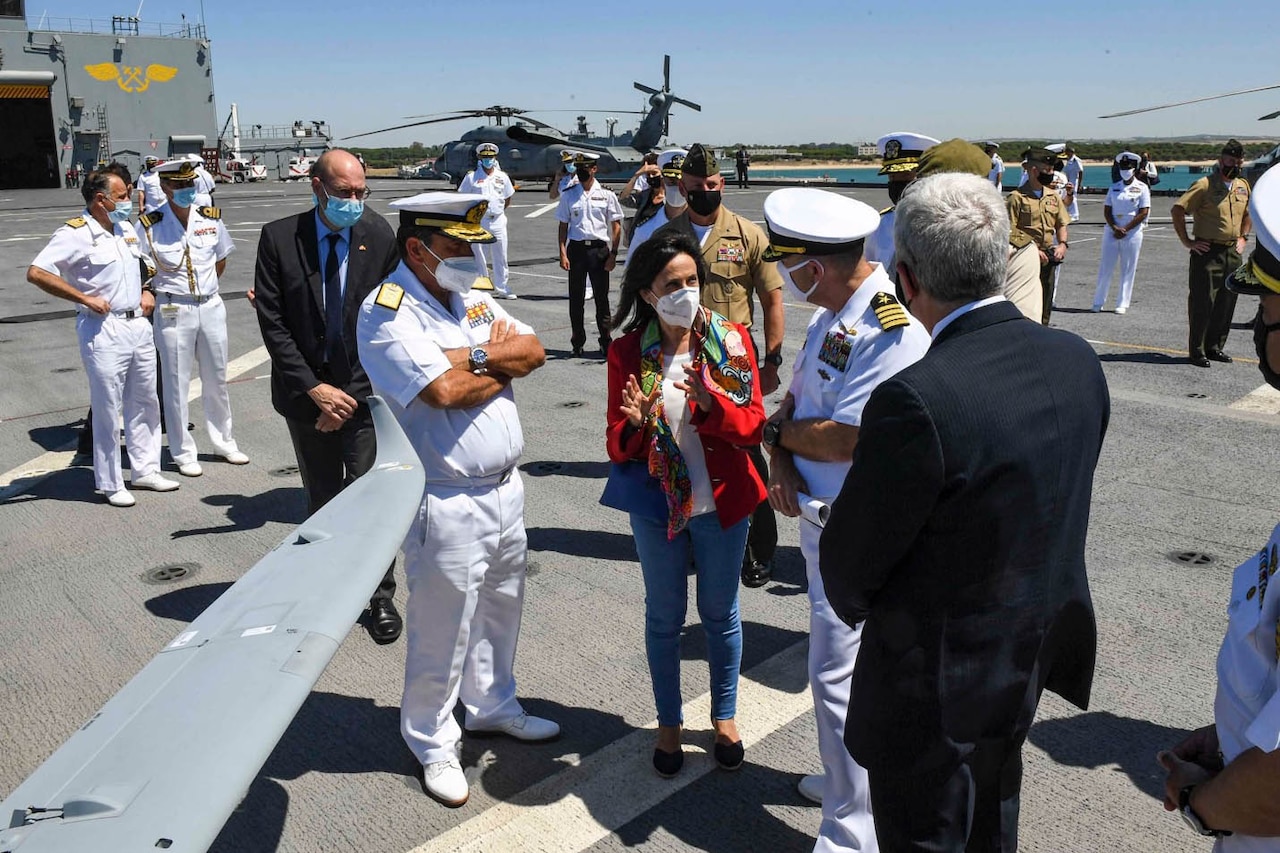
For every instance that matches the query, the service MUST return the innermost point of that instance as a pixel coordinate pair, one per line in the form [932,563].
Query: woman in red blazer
[684,404]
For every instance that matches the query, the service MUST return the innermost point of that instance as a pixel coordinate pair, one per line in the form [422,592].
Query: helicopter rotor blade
[666,72]
[690,104]
[403,126]
[1192,101]
[1269,116]
[646,89]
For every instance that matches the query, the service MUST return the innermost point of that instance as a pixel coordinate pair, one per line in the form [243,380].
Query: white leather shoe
[446,782]
[1121,310]
[121,498]
[235,457]
[190,469]
[810,787]
[154,482]
[523,727]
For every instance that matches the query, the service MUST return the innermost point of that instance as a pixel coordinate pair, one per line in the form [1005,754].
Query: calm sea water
[1094,176]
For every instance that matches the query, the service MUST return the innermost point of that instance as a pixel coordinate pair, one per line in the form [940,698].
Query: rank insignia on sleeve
[78,222]
[389,295]
[835,349]
[211,213]
[889,312]
[150,219]
[479,314]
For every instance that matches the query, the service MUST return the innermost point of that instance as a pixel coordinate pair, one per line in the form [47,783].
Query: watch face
[479,357]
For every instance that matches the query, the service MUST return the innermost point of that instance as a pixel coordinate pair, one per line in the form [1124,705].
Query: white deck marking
[18,480]
[594,796]
[1263,399]
[546,208]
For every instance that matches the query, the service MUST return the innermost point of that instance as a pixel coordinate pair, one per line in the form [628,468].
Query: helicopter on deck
[529,149]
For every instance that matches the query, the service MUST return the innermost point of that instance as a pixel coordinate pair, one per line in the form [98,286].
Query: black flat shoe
[668,764]
[756,574]
[1199,361]
[1218,355]
[729,755]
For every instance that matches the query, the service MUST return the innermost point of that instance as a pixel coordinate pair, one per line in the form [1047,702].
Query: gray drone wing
[164,763]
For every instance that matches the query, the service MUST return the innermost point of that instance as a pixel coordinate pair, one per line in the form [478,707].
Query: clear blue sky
[776,72]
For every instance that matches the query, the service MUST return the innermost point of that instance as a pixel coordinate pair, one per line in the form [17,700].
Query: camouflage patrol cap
[700,161]
[1041,157]
[1233,148]
[954,155]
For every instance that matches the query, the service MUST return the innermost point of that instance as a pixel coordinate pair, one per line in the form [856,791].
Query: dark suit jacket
[959,536]
[289,295]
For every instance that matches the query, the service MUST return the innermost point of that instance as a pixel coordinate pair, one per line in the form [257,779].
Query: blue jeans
[717,556]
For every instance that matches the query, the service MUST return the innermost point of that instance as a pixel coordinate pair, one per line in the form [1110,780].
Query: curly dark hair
[644,263]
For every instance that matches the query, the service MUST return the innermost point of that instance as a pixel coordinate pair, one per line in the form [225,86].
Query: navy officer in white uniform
[444,357]
[495,185]
[590,230]
[860,336]
[899,158]
[94,261]
[188,245]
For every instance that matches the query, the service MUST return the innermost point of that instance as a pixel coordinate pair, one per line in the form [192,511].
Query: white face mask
[792,287]
[1126,175]
[675,196]
[455,274]
[679,308]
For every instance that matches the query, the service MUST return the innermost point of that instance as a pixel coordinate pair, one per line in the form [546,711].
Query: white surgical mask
[792,287]
[457,275]
[1126,175]
[674,197]
[679,308]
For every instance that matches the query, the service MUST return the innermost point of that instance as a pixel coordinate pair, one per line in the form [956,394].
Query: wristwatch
[479,361]
[1192,819]
[774,358]
[772,433]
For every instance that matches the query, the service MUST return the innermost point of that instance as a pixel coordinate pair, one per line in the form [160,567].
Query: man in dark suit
[959,535]
[313,271]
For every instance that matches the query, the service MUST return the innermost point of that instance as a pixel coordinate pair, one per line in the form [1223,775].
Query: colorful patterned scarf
[721,356]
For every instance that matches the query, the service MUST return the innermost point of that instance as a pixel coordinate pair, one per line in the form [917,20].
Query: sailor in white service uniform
[899,153]
[444,357]
[94,261]
[149,194]
[996,175]
[860,336]
[490,181]
[1126,209]
[188,246]
[564,178]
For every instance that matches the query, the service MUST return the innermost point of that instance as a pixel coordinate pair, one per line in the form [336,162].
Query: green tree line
[388,158]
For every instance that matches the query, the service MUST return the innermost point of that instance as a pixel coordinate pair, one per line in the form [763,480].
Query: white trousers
[187,333]
[119,358]
[465,559]
[1126,251]
[833,649]
[501,273]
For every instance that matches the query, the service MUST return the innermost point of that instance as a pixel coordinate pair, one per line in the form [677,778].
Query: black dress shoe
[729,755]
[1199,361]
[668,764]
[1218,355]
[577,352]
[385,623]
[756,574]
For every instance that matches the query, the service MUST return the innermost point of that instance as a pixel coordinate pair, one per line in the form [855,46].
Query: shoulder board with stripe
[150,219]
[889,311]
[211,213]
[389,295]
[888,209]
[78,222]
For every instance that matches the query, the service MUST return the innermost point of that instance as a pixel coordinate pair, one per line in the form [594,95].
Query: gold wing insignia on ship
[161,73]
[103,71]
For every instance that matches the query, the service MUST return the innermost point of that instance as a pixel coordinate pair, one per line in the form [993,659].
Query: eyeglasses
[350,193]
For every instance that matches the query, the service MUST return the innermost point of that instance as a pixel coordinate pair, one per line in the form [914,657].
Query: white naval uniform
[878,248]
[568,181]
[846,354]
[191,323]
[1074,169]
[496,188]
[465,555]
[152,195]
[996,175]
[118,351]
[646,229]
[1246,709]
[204,186]
[1125,200]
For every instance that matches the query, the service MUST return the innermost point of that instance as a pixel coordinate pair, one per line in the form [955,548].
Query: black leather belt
[591,244]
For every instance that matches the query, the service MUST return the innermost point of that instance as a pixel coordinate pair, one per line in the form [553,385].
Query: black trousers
[742,177]
[1210,305]
[762,535]
[586,261]
[331,461]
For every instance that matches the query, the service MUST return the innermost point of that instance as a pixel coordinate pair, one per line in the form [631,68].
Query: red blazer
[726,432]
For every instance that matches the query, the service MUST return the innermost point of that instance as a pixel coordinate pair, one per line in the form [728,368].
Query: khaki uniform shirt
[1217,209]
[1038,217]
[732,251]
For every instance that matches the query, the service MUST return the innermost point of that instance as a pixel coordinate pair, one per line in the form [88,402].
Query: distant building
[80,92]
[867,149]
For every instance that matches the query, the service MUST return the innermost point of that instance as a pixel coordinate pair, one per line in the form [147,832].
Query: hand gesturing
[637,405]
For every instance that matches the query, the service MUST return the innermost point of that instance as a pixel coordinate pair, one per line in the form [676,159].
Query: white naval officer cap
[567,155]
[812,222]
[1260,274]
[457,215]
[899,151]
[1127,155]
[670,161]
[1056,147]
[486,149]
[181,169]
[585,158]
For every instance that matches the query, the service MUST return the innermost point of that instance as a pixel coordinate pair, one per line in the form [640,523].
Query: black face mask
[1230,173]
[1046,179]
[896,189]
[703,202]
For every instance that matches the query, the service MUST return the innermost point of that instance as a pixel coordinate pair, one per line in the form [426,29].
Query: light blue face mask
[570,168]
[184,197]
[488,162]
[124,209]
[342,212]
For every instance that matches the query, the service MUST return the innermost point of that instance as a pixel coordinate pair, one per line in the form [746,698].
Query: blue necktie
[332,301]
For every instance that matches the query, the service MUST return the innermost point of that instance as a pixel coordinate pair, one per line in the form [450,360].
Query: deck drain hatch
[1198,396]
[1192,558]
[170,573]
[64,370]
[284,471]
[573,404]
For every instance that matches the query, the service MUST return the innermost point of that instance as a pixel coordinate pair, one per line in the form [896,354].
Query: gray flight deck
[1186,468]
